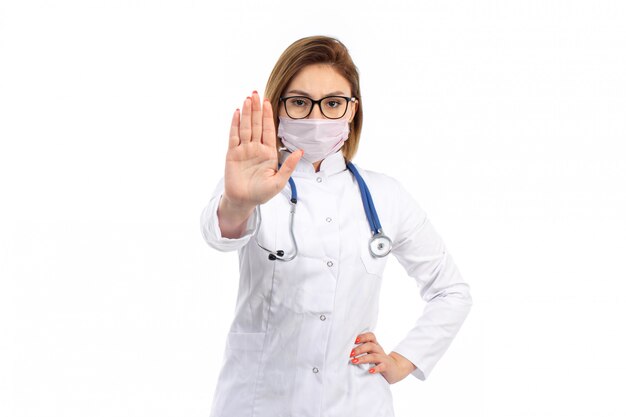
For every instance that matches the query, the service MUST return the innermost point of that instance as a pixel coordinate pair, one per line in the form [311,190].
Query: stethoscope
[379,243]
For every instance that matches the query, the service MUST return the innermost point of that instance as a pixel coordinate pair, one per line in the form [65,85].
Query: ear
[355,107]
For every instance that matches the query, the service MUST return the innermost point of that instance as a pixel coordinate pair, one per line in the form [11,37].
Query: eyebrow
[304,93]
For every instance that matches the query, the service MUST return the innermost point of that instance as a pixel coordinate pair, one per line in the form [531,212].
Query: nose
[316,112]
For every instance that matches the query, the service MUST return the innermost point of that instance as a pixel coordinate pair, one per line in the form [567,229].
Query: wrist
[235,211]
[232,218]
[405,365]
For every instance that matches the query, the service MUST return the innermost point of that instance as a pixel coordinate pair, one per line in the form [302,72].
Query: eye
[333,103]
[298,102]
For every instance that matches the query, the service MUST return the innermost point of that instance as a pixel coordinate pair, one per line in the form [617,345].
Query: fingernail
[266,99]
[255,92]
[248,97]
[237,109]
[352,353]
[372,371]
[355,360]
[358,340]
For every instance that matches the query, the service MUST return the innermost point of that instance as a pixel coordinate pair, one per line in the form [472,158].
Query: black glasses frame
[319,104]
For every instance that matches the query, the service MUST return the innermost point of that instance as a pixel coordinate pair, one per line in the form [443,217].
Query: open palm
[251,175]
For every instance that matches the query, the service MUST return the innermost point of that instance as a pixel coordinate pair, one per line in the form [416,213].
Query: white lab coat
[287,351]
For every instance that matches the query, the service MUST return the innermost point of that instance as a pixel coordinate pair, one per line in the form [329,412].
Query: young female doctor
[308,227]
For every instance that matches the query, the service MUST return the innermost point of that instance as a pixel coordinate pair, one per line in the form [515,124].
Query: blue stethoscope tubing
[379,244]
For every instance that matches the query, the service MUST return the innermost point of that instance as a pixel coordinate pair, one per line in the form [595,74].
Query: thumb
[288,166]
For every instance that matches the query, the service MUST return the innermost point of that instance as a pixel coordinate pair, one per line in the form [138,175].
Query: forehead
[319,80]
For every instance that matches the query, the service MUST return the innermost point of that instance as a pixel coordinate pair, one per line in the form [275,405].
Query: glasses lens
[334,107]
[297,107]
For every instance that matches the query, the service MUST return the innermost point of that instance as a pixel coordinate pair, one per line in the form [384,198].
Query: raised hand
[251,176]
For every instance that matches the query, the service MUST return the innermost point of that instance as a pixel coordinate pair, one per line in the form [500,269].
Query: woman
[302,340]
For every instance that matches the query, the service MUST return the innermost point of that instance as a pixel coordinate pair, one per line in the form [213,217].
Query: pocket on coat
[234,393]
[374,387]
[246,341]
[373,265]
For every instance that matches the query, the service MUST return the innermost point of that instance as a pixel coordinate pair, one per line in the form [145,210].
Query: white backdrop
[504,119]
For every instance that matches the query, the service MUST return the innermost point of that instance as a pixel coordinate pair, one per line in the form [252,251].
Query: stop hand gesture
[251,176]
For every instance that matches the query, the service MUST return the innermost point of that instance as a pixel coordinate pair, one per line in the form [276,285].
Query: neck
[316,165]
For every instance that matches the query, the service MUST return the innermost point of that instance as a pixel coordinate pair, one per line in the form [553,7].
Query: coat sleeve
[209,224]
[421,251]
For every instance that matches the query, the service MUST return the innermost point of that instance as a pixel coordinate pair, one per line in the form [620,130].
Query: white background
[504,119]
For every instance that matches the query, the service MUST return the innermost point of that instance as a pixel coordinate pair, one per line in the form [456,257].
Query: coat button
[322,317]
[315,370]
[329,263]
[318,179]
[328,219]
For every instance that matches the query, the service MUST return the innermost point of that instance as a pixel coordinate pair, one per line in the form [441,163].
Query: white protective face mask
[317,137]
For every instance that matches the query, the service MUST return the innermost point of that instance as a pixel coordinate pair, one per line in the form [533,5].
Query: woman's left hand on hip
[394,367]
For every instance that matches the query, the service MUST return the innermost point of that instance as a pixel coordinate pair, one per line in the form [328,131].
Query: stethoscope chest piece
[380,245]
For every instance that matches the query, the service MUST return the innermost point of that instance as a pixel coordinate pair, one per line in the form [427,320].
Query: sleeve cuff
[417,372]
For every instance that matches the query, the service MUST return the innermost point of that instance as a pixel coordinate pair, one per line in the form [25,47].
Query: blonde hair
[317,50]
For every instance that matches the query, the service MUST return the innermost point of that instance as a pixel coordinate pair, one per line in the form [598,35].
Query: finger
[269,130]
[245,130]
[370,337]
[234,131]
[257,117]
[369,358]
[367,348]
[365,337]
[381,367]
[283,174]
[370,347]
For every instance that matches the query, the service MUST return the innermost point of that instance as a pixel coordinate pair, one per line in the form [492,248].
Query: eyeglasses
[332,107]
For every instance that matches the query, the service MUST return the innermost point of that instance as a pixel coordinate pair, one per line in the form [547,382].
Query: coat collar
[332,164]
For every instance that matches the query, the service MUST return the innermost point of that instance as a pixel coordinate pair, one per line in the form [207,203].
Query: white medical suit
[295,323]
